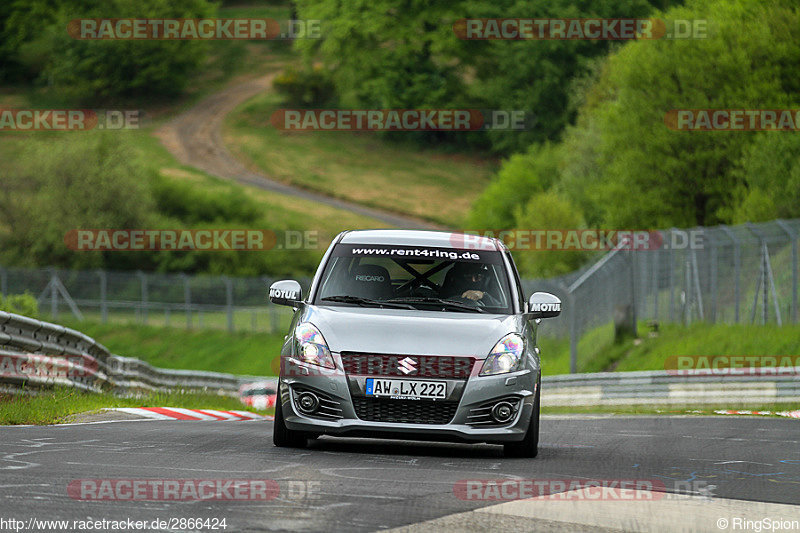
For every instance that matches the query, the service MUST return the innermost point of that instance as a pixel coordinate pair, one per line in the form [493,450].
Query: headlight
[310,347]
[506,356]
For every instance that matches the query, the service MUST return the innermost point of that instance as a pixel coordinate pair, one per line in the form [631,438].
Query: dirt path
[195,138]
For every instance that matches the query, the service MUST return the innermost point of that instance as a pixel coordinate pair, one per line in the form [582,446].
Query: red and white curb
[790,414]
[179,413]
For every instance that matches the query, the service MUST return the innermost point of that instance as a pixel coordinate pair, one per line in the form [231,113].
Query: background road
[195,138]
[365,485]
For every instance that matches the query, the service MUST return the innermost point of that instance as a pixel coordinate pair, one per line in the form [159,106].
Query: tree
[546,211]
[93,71]
[521,177]
[622,167]
[770,177]
[653,176]
[390,54]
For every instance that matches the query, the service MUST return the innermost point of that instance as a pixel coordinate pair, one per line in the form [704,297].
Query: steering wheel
[423,288]
[486,301]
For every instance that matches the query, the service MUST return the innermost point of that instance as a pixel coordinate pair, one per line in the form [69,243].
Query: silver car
[418,335]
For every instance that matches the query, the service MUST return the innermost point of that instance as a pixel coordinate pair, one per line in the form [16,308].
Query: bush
[92,180]
[642,174]
[21,304]
[520,177]
[103,70]
[770,174]
[306,88]
[548,211]
[99,180]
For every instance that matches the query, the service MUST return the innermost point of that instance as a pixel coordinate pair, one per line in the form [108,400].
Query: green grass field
[212,350]
[60,405]
[255,353]
[359,167]
[598,352]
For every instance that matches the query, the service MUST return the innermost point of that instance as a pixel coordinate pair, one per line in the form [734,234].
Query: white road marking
[669,513]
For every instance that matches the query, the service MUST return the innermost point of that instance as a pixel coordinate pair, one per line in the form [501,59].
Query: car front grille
[407,366]
[405,411]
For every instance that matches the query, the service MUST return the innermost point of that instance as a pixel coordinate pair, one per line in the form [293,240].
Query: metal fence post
[737,267]
[671,278]
[793,236]
[103,296]
[187,300]
[53,293]
[713,272]
[687,294]
[656,270]
[144,296]
[229,301]
[634,315]
[573,333]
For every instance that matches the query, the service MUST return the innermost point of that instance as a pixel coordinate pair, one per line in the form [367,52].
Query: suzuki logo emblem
[407,365]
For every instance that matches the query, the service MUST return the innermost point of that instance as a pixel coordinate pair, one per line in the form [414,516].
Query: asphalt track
[368,485]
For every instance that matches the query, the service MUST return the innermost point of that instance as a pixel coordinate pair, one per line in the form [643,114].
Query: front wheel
[529,446]
[282,436]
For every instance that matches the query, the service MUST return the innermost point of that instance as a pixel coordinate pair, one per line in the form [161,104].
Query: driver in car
[467,280]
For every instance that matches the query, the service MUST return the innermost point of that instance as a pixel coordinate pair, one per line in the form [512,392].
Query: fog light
[502,412]
[308,402]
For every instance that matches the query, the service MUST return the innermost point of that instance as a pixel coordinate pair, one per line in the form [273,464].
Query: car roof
[405,237]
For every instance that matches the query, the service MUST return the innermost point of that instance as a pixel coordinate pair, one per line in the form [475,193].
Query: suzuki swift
[417,335]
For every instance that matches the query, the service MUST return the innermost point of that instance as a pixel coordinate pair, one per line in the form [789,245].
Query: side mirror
[286,292]
[543,305]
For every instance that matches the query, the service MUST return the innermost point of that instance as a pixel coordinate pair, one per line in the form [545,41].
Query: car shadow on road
[406,447]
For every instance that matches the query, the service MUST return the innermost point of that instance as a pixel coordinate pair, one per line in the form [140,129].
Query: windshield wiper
[357,300]
[451,304]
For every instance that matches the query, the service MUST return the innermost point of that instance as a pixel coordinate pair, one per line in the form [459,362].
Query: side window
[520,294]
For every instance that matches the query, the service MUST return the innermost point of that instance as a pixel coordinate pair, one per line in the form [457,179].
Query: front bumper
[474,392]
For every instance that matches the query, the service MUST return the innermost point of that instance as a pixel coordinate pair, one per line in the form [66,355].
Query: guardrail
[37,354]
[34,353]
[660,387]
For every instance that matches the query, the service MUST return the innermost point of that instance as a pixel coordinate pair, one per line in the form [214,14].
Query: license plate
[404,389]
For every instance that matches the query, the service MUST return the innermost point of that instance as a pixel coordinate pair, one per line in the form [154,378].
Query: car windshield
[427,278]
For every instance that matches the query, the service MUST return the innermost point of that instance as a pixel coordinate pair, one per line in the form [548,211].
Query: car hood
[398,331]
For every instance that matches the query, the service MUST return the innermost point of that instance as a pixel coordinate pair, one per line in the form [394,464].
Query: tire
[282,436]
[528,446]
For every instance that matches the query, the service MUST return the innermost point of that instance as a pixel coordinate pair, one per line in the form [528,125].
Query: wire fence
[176,300]
[738,274]
[744,274]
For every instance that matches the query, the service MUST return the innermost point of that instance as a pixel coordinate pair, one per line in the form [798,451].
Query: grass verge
[257,353]
[358,167]
[702,410]
[599,353]
[59,405]
[212,350]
